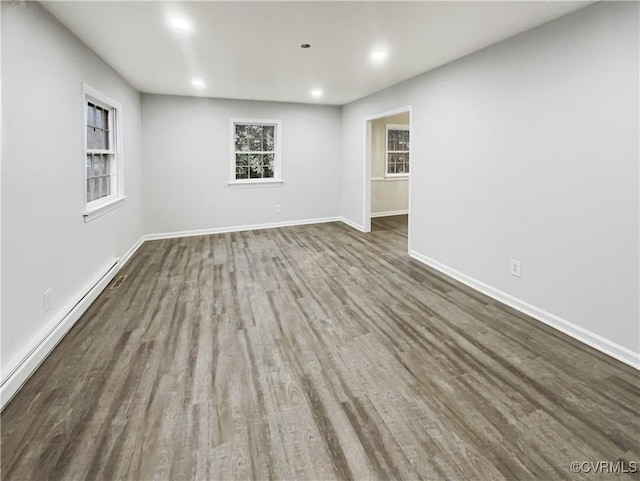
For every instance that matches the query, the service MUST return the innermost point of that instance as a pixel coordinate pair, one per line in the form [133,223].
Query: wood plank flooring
[313,353]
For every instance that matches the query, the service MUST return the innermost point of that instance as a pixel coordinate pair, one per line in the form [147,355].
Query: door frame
[366,200]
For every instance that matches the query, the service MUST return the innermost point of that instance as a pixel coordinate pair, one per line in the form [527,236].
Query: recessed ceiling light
[317,93]
[198,83]
[378,55]
[180,23]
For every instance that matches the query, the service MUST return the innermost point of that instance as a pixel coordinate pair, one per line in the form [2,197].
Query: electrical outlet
[373,200]
[515,268]
[47,300]
[278,208]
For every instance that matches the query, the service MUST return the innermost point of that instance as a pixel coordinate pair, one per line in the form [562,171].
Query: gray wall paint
[186,164]
[529,150]
[45,242]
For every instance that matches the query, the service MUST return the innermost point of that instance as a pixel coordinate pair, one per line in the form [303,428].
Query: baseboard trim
[131,252]
[238,228]
[585,336]
[25,364]
[390,213]
[350,223]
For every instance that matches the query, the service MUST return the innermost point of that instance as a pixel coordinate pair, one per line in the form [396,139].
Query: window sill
[100,210]
[393,178]
[248,184]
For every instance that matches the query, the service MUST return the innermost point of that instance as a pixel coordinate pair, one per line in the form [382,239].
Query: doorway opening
[387,186]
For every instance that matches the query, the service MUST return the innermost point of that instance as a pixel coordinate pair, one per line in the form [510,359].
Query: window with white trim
[255,146]
[397,159]
[103,180]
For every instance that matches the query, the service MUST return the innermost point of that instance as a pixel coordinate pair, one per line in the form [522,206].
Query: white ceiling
[251,50]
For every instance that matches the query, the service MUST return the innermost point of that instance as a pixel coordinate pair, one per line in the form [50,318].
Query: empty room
[317,240]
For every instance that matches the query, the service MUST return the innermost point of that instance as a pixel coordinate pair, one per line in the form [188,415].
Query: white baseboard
[585,336]
[23,365]
[351,224]
[19,369]
[238,228]
[389,213]
[129,254]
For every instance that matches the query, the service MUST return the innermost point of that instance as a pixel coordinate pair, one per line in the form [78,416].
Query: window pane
[104,139]
[392,168]
[255,166]
[255,161]
[96,165]
[256,144]
[268,161]
[90,116]
[392,136]
[89,197]
[97,139]
[106,164]
[242,172]
[242,160]
[241,130]
[105,186]
[88,165]
[241,138]
[99,118]
[90,138]
[94,189]
[255,131]
[268,143]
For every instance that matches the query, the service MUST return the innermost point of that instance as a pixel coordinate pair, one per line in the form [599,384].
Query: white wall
[392,194]
[186,164]
[45,242]
[529,150]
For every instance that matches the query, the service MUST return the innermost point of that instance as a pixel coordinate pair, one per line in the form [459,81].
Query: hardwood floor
[313,353]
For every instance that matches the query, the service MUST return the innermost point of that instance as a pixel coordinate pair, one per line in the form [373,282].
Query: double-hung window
[397,151]
[255,147]
[103,163]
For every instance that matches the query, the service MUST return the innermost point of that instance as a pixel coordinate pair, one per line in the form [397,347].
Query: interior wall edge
[578,333]
[352,224]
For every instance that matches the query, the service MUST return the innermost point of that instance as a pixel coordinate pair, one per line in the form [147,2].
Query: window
[103,179]
[397,150]
[255,152]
